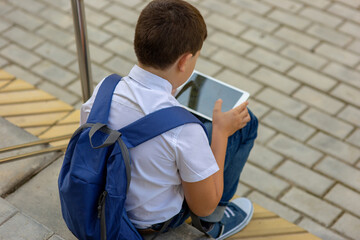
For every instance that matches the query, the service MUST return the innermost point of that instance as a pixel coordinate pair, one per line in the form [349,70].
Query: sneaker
[236,216]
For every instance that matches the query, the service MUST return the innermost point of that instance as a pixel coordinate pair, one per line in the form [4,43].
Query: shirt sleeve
[194,157]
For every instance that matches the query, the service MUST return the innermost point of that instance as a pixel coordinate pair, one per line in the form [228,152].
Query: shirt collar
[149,79]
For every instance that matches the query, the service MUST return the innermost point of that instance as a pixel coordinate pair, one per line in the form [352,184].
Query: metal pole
[82,48]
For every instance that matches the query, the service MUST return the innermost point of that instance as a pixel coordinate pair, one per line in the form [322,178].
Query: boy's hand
[231,121]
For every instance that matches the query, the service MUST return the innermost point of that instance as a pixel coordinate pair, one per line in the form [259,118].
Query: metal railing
[82,48]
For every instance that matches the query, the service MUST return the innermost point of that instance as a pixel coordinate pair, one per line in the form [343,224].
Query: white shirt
[158,165]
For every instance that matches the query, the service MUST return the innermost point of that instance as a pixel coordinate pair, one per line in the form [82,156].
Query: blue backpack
[95,174]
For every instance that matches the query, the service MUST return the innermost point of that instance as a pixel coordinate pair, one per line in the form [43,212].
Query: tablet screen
[200,94]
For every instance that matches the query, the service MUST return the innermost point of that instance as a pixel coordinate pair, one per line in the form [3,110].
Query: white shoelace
[229,212]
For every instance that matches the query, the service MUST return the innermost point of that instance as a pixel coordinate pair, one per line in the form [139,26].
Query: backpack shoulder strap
[101,107]
[155,124]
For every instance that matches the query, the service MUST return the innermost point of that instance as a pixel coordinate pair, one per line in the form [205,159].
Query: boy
[178,171]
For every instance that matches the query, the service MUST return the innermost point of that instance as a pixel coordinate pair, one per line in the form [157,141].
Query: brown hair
[165,30]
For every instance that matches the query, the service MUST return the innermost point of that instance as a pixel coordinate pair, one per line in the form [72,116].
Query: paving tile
[252,6]
[21,226]
[321,17]
[327,123]
[122,13]
[122,48]
[319,230]
[19,55]
[296,37]
[121,30]
[3,62]
[231,43]
[119,65]
[220,7]
[350,114]
[6,210]
[97,36]
[340,171]
[274,206]
[345,198]
[287,5]
[242,190]
[60,4]
[56,35]
[24,19]
[281,102]
[263,39]
[263,181]
[97,4]
[239,81]
[312,78]
[4,25]
[22,73]
[295,150]
[304,57]
[289,19]
[205,66]
[270,59]
[347,93]
[355,138]
[335,147]
[217,21]
[23,38]
[338,54]
[54,73]
[351,28]
[29,5]
[264,134]
[355,47]
[288,125]
[56,237]
[56,54]
[275,80]
[59,93]
[258,22]
[318,100]
[234,62]
[329,35]
[310,205]
[343,74]
[345,11]
[264,157]
[208,49]
[96,17]
[98,54]
[348,225]
[304,177]
[5,7]
[319,3]
[3,42]
[57,17]
[352,3]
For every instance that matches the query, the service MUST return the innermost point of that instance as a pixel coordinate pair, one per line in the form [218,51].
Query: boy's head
[167,29]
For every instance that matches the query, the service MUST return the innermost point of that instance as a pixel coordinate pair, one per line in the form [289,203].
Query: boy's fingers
[218,105]
[242,106]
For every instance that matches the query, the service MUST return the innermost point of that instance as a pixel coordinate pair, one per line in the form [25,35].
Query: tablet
[200,92]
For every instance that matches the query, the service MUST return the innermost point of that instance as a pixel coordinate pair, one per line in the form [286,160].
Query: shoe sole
[240,227]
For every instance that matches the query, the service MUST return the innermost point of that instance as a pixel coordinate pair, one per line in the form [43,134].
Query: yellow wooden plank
[5,75]
[36,131]
[268,226]
[24,96]
[296,236]
[260,212]
[3,83]
[60,130]
[37,120]
[17,85]
[59,143]
[73,117]
[34,108]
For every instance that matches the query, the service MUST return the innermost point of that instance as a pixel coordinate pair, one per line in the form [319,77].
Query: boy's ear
[183,60]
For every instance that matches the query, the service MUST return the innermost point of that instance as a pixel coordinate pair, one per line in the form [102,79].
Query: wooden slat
[296,236]
[34,108]
[268,226]
[73,117]
[60,130]
[36,131]
[260,212]
[17,85]
[25,96]
[37,120]
[3,83]
[5,75]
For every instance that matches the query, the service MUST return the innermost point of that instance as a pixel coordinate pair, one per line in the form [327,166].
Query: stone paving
[299,59]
